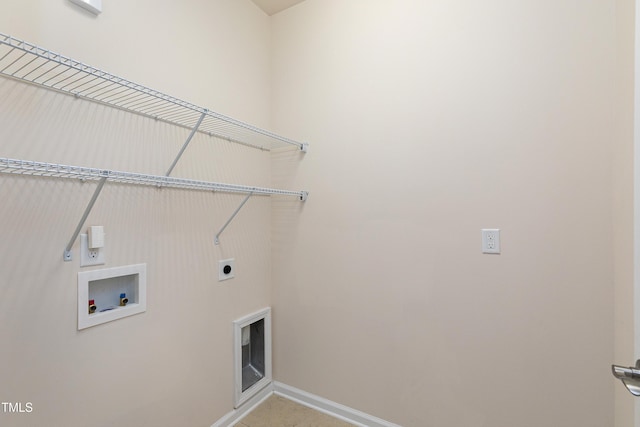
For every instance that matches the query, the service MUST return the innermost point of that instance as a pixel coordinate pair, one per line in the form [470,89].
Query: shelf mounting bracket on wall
[216,239]
[68,256]
[186,143]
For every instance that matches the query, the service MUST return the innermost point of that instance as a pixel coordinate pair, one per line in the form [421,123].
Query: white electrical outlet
[90,256]
[226,269]
[490,241]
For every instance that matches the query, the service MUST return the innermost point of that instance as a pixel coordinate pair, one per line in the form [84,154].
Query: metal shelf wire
[32,64]
[27,167]
[29,63]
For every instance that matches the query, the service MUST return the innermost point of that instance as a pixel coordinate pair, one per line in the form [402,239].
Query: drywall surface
[428,121]
[172,365]
[623,199]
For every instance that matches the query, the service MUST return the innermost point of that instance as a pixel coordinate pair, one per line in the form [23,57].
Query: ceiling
[271,7]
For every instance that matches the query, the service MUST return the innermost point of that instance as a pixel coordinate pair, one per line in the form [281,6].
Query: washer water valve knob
[123,300]
[92,306]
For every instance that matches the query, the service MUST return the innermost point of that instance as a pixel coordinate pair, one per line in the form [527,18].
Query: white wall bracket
[304,147]
[216,239]
[184,146]
[68,256]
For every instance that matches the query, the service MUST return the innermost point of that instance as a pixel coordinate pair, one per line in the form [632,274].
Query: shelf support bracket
[216,239]
[186,143]
[67,251]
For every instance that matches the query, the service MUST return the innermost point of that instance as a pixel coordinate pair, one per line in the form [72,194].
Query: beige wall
[622,144]
[173,364]
[429,121]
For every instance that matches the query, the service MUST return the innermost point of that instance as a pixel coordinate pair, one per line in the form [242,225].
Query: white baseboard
[237,414]
[312,401]
[328,407]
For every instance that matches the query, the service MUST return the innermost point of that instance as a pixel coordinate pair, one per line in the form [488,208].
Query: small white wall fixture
[111,294]
[93,6]
[252,354]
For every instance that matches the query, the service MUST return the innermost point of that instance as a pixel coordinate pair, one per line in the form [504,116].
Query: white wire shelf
[27,167]
[32,64]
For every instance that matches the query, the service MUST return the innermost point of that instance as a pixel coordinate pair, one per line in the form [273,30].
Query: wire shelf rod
[108,94]
[178,115]
[121,97]
[25,65]
[128,99]
[54,170]
[35,69]
[10,64]
[5,55]
[39,76]
[100,89]
[82,81]
[54,77]
[29,63]
[216,239]
[60,82]
[157,109]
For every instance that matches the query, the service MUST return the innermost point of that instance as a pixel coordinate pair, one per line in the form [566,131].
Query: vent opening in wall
[252,354]
[252,340]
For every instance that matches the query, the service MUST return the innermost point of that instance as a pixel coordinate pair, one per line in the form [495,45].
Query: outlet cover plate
[88,256]
[490,241]
[226,269]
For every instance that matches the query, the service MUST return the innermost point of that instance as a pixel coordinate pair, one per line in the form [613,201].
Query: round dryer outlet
[226,269]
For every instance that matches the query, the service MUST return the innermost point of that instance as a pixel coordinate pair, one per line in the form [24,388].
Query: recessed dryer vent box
[111,294]
[252,350]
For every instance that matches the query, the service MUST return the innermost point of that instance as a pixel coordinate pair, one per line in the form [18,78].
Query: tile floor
[277,411]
